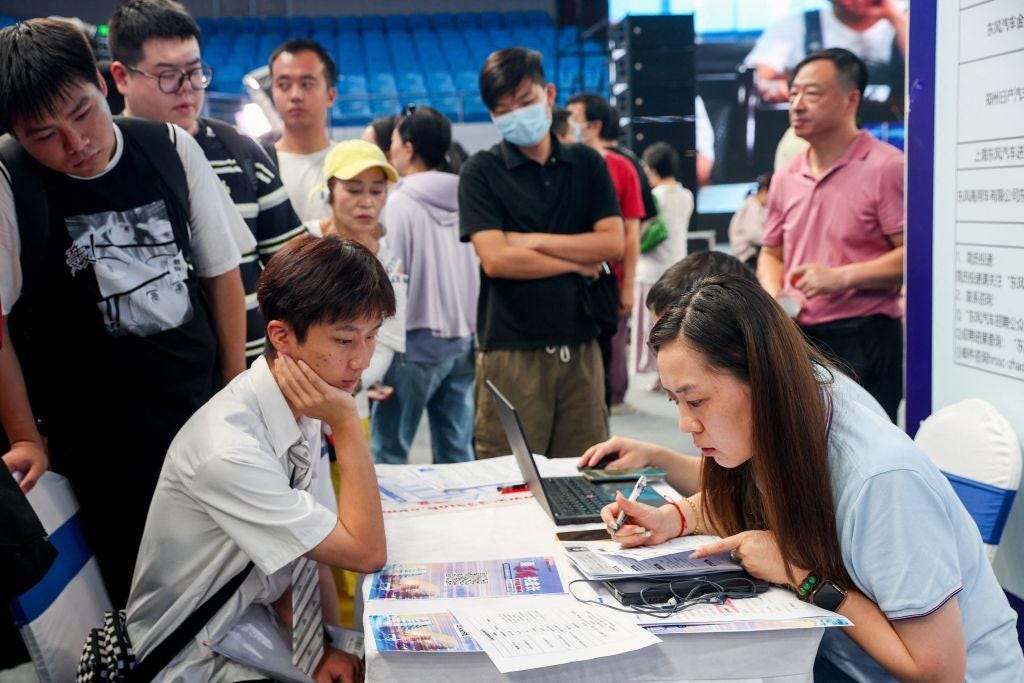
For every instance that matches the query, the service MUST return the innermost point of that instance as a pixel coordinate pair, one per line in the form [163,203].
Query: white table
[523,529]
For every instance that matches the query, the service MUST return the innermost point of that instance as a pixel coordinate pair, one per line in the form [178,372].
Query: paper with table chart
[468,579]
[558,632]
[607,560]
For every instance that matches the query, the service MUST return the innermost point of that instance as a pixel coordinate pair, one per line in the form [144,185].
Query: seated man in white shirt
[245,479]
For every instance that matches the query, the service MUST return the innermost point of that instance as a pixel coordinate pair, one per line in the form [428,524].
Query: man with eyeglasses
[159,70]
[119,257]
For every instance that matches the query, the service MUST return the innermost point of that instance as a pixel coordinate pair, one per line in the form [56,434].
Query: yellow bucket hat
[351,157]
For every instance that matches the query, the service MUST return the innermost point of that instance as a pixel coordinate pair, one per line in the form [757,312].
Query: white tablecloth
[518,530]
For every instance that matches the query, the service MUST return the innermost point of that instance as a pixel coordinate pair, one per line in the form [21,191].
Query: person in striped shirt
[158,68]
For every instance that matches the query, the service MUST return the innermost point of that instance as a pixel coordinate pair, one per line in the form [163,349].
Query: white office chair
[978,451]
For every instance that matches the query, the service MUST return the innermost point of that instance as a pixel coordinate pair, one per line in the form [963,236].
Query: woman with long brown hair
[811,488]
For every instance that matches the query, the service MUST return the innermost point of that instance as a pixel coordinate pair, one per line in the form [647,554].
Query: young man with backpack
[119,256]
[159,70]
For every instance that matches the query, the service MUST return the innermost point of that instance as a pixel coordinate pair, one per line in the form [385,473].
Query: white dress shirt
[223,499]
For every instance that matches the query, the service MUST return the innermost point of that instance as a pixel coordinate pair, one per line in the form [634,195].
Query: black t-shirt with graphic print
[121,335]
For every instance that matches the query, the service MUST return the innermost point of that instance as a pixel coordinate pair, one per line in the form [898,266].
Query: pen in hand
[638,489]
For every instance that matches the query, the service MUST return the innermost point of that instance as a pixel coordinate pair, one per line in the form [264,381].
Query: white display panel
[978,235]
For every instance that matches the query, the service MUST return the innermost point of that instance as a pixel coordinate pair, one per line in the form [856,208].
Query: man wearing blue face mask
[542,217]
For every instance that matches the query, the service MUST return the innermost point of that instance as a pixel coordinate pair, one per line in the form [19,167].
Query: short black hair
[764,181]
[41,62]
[683,275]
[663,159]
[297,45]
[504,70]
[430,133]
[850,69]
[313,280]
[560,121]
[597,108]
[383,127]
[136,21]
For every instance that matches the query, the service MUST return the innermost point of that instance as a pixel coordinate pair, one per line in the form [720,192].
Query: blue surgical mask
[526,126]
[577,132]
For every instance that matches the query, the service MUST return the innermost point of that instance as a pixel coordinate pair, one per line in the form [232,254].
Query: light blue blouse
[908,543]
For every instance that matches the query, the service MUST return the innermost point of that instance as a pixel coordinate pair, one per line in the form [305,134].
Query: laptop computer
[567,500]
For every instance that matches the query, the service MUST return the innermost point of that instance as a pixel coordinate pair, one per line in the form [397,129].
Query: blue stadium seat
[227,25]
[346,24]
[250,25]
[300,27]
[386,107]
[383,84]
[466,81]
[419,21]
[467,20]
[371,22]
[515,19]
[396,22]
[207,26]
[440,82]
[323,24]
[443,20]
[473,109]
[411,84]
[491,19]
[275,24]
[538,18]
[351,113]
[352,84]
[449,106]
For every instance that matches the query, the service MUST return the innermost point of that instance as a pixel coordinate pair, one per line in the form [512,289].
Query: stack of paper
[438,488]
[602,560]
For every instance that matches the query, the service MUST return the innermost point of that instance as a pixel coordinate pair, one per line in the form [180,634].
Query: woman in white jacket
[435,373]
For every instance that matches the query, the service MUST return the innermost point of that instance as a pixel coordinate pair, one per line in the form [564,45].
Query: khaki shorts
[558,392]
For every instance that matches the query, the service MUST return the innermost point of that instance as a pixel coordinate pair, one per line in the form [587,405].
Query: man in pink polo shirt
[833,240]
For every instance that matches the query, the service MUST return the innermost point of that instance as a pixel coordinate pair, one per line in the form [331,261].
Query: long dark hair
[430,133]
[785,487]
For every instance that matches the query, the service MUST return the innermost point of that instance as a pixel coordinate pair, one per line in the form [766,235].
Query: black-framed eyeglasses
[170,81]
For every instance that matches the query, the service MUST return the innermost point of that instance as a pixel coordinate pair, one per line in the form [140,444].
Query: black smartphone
[583,535]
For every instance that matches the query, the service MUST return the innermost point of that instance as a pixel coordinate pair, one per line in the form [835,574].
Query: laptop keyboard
[572,496]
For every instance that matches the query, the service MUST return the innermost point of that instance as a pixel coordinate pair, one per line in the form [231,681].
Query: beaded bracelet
[682,518]
[696,517]
[806,587]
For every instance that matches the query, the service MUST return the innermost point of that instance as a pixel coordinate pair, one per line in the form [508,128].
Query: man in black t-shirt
[159,70]
[542,218]
[119,256]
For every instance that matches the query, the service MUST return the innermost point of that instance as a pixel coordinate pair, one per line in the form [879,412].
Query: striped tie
[307,620]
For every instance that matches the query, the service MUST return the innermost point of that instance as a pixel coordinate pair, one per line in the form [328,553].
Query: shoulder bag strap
[172,645]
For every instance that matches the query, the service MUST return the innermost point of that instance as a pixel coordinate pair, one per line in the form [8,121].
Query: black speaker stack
[653,83]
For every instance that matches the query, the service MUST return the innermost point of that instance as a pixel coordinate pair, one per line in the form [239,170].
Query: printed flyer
[469,579]
[420,633]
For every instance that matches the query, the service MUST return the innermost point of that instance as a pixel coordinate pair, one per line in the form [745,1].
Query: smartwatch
[828,596]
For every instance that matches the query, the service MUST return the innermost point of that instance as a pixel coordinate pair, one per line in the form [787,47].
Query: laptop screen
[520,449]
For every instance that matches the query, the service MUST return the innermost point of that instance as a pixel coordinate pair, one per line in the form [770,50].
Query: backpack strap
[271,151]
[171,646]
[246,151]
[158,142]
[30,204]
[813,39]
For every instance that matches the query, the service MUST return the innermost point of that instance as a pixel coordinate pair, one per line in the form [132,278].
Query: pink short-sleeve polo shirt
[846,216]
